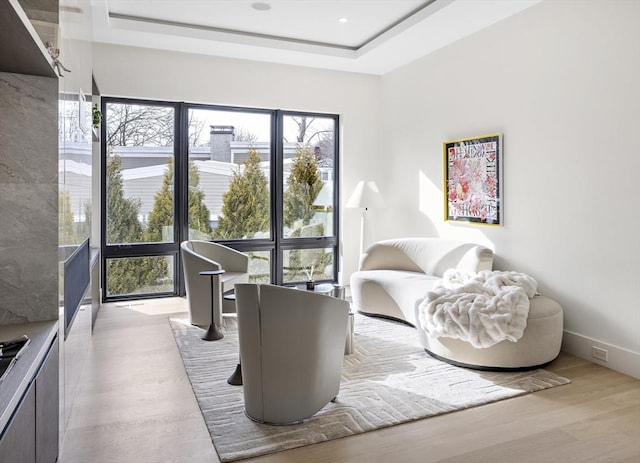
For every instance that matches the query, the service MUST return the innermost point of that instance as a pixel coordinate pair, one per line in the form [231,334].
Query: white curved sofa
[540,343]
[395,276]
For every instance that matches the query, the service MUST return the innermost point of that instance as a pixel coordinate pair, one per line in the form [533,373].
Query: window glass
[139,275]
[140,174]
[229,172]
[307,264]
[308,165]
[259,266]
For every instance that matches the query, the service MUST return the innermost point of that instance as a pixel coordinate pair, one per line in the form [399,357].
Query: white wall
[561,82]
[154,74]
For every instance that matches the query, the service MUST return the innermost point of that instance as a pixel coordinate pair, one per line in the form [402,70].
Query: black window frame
[276,245]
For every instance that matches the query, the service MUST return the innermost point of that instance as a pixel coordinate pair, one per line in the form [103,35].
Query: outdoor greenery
[160,220]
[303,185]
[142,125]
[159,226]
[245,205]
[199,215]
[122,213]
[124,275]
[123,226]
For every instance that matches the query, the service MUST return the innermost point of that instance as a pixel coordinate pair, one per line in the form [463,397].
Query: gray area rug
[389,379]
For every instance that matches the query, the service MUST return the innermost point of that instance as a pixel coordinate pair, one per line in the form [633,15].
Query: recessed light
[343,20]
[260,6]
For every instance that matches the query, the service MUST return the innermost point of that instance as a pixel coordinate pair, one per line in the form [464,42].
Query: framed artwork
[473,180]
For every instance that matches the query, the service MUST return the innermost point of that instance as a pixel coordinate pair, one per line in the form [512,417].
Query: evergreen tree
[161,215]
[303,185]
[199,215]
[122,213]
[245,205]
[161,218]
[125,275]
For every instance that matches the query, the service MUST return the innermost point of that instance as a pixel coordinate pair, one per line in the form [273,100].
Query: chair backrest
[227,258]
[291,349]
[198,256]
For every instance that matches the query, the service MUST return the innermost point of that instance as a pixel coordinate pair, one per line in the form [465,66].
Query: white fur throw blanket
[480,308]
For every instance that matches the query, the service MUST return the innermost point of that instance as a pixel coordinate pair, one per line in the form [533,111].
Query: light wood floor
[135,404]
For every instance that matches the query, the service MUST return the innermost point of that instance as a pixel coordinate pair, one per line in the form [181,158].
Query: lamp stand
[364,212]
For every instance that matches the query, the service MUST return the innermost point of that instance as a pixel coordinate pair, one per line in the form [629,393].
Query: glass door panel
[229,174]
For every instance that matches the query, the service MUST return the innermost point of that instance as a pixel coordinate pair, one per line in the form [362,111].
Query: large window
[308,199]
[260,181]
[139,234]
[230,158]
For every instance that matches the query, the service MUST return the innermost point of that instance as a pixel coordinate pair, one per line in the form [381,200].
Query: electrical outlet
[600,354]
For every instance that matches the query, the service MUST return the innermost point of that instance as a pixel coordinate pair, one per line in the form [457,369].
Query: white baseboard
[618,359]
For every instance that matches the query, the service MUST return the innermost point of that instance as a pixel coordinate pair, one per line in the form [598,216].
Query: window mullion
[277,187]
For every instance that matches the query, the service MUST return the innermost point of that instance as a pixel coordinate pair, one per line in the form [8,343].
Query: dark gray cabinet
[47,408]
[31,433]
[16,444]
[21,50]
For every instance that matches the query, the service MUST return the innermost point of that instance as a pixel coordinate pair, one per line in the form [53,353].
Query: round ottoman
[539,344]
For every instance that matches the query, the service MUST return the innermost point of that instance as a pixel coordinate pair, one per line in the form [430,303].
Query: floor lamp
[365,196]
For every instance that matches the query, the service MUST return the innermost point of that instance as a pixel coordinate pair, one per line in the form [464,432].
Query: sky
[254,123]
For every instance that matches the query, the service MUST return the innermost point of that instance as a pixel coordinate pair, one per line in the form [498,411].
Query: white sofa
[395,276]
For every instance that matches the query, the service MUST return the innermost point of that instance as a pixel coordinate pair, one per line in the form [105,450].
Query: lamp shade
[366,195]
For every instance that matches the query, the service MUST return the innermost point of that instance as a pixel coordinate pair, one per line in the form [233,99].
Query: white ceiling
[380,35]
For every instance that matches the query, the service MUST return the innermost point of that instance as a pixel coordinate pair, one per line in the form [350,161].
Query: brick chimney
[221,138]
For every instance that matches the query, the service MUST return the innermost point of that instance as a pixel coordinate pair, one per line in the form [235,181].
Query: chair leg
[236,378]
[212,334]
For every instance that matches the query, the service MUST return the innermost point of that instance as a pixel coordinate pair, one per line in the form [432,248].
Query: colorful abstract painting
[473,180]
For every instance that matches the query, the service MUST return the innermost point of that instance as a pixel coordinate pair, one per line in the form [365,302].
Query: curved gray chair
[292,346]
[198,256]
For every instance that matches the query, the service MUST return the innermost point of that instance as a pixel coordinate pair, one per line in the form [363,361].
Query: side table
[213,333]
[337,291]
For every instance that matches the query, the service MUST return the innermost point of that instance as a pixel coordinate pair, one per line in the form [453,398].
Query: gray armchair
[198,256]
[292,346]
